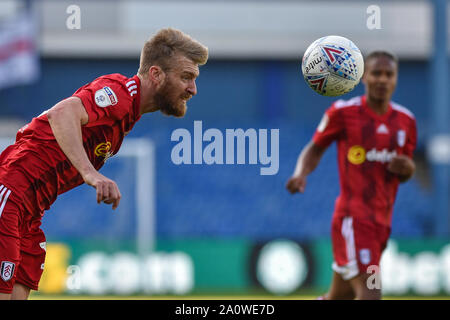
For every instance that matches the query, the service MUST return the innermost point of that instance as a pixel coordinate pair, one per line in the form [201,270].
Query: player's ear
[156,74]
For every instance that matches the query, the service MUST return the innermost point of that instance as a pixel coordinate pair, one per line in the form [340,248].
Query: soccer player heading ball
[375,139]
[66,146]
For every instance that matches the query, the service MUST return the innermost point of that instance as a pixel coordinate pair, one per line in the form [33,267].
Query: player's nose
[383,78]
[192,88]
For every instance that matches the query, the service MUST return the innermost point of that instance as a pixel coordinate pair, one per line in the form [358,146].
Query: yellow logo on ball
[356,155]
[102,149]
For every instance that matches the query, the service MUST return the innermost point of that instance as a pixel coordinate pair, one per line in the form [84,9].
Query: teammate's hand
[296,184]
[107,190]
[401,165]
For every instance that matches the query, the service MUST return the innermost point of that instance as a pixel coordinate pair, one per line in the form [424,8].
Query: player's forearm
[308,160]
[65,119]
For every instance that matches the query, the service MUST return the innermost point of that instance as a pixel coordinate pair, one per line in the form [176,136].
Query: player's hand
[107,190]
[401,165]
[296,184]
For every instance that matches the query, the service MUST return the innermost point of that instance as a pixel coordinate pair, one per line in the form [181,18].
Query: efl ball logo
[332,66]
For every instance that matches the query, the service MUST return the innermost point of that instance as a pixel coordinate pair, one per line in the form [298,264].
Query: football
[332,66]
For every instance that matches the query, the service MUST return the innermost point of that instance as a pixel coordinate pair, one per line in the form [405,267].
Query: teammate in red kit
[375,139]
[66,146]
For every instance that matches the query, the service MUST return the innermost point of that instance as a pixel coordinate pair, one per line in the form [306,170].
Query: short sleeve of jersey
[411,140]
[104,99]
[329,128]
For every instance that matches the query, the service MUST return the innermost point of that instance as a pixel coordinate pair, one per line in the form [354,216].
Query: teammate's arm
[307,161]
[403,166]
[66,119]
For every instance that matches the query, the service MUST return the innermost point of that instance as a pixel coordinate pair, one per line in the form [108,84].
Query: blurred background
[213,230]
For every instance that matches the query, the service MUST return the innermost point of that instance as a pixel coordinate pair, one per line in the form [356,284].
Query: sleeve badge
[105,97]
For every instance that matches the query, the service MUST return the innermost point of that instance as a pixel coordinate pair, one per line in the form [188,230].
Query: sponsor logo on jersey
[7,270]
[364,256]
[103,150]
[105,97]
[382,156]
[358,155]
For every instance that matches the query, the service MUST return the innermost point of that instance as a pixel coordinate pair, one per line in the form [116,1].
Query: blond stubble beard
[167,107]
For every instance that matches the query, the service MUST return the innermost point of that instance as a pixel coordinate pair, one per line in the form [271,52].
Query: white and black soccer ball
[332,66]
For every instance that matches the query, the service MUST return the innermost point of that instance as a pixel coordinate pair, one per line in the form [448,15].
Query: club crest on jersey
[7,270]
[105,97]
[401,138]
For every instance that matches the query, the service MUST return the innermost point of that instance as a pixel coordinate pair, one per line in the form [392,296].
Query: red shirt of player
[35,166]
[366,142]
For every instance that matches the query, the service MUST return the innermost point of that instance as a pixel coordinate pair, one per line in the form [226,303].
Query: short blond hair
[165,45]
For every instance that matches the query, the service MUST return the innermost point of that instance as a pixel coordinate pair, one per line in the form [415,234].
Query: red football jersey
[36,169]
[366,142]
